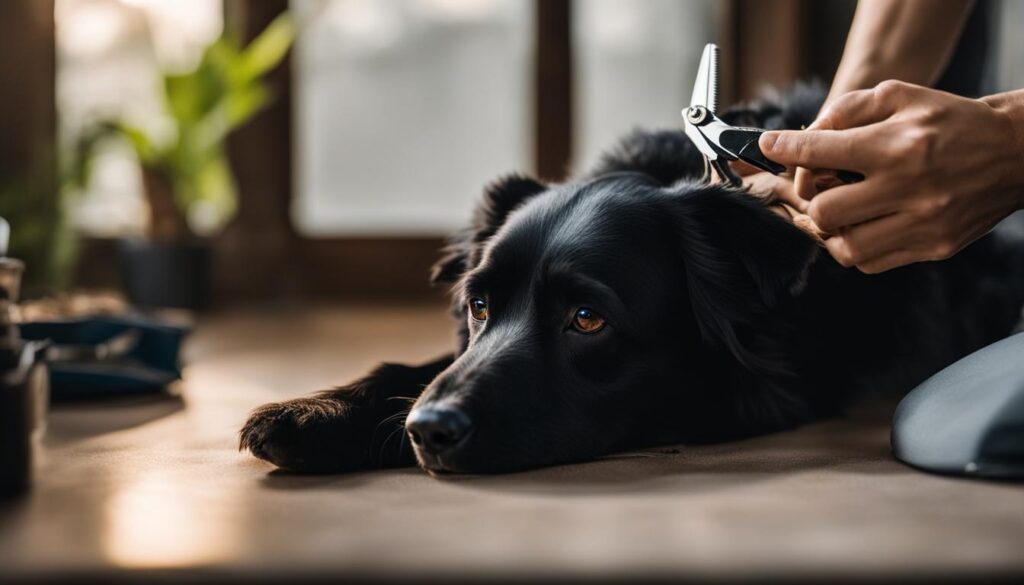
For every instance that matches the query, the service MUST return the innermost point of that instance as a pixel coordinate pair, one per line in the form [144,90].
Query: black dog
[640,306]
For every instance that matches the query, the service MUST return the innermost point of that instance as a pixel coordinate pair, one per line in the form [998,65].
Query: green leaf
[268,48]
[76,164]
[224,91]
[209,196]
[183,94]
[139,141]
[244,103]
[190,96]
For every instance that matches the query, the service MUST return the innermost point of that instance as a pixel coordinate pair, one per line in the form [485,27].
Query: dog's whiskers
[383,447]
[408,399]
[398,417]
[401,442]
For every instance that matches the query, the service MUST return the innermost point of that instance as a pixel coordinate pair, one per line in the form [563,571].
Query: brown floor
[156,485]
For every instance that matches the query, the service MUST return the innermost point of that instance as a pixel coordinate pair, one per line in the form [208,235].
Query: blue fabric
[153,363]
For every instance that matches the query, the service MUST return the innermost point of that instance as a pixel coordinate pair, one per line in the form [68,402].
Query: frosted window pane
[635,66]
[109,57]
[405,109]
[1010,45]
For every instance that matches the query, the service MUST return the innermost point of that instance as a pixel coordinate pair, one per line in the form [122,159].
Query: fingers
[803,184]
[867,243]
[830,142]
[890,261]
[779,189]
[776,187]
[849,205]
[743,169]
[809,182]
[821,149]
[865,106]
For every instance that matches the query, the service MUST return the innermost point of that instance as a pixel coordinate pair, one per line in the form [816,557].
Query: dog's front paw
[307,434]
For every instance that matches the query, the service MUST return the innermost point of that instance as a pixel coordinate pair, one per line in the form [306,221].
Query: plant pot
[166,274]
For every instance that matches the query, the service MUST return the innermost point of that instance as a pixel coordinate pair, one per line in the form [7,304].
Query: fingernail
[767,141]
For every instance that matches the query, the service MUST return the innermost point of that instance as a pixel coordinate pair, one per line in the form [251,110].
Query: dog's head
[606,313]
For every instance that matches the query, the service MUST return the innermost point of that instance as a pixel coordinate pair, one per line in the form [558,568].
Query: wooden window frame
[763,43]
[358,267]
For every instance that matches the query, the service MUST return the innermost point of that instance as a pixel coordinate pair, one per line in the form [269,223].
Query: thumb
[784,152]
[812,149]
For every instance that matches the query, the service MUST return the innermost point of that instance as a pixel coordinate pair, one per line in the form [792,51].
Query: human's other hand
[779,189]
[940,171]
[768,186]
[775,187]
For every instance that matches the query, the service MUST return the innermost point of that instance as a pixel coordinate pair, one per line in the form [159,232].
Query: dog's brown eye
[478,308]
[587,321]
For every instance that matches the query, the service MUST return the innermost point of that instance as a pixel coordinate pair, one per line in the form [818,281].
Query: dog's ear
[741,260]
[500,198]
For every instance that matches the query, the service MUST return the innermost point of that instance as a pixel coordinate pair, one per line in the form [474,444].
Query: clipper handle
[743,142]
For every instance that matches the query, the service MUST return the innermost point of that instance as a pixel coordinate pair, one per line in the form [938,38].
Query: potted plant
[186,176]
[33,203]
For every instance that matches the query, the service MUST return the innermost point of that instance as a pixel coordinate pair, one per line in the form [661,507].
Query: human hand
[765,185]
[779,188]
[778,191]
[940,172]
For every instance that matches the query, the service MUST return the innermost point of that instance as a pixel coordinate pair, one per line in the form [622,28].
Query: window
[109,53]
[404,109]
[635,66]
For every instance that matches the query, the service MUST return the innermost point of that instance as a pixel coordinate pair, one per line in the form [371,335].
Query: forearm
[909,40]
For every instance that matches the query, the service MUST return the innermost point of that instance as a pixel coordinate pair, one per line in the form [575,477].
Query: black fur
[723,320]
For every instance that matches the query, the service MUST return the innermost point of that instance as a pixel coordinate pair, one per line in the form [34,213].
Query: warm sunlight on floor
[156,483]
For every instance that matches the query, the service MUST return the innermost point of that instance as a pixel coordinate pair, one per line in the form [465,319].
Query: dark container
[166,274]
[24,387]
[24,395]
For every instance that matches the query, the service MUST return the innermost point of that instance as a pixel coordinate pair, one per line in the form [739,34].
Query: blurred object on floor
[101,355]
[23,382]
[67,306]
[102,345]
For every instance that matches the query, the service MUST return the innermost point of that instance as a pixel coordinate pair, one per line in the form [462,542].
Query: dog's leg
[359,426]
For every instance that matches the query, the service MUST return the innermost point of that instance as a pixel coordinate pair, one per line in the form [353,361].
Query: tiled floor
[156,485]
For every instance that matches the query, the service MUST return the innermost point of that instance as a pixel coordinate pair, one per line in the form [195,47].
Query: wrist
[1010,107]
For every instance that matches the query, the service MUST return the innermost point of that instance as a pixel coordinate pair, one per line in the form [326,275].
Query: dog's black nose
[437,429]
